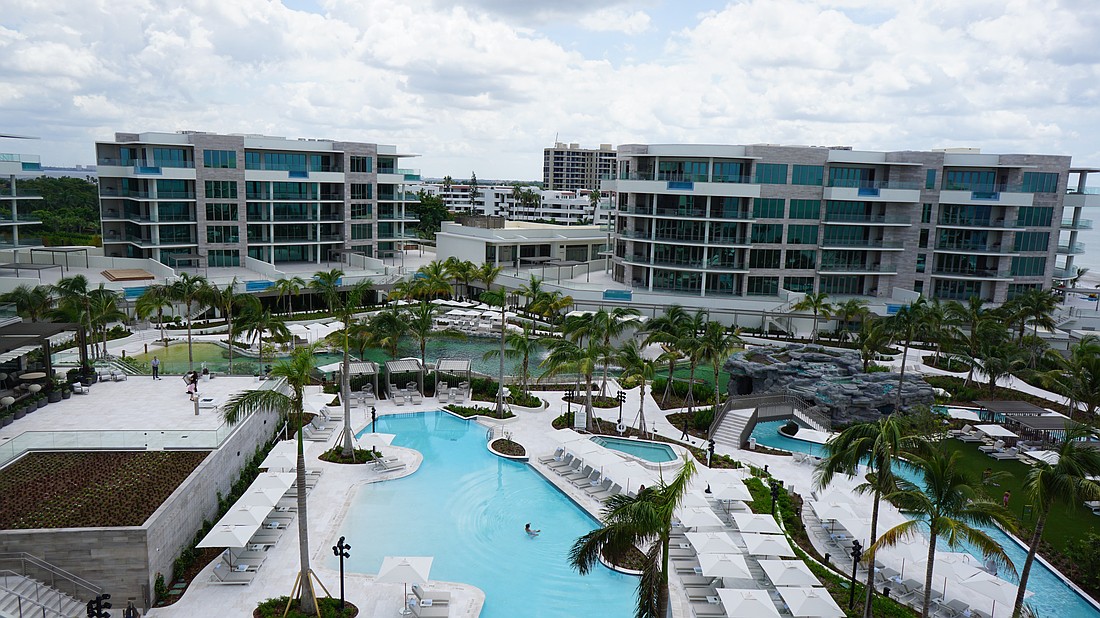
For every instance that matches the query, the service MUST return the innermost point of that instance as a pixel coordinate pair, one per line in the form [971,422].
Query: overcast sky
[485,85]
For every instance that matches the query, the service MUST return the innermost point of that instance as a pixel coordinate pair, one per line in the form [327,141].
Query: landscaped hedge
[703,392]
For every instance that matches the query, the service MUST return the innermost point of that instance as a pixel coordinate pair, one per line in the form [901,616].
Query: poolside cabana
[1049,427]
[460,368]
[37,268]
[1007,409]
[355,368]
[403,367]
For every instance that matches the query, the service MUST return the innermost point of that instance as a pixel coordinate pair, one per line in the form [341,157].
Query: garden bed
[97,489]
[330,608]
[509,448]
[359,456]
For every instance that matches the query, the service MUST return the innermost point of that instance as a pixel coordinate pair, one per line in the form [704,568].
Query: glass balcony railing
[970,247]
[1080,224]
[971,222]
[874,184]
[978,273]
[859,243]
[841,267]
[858,218]
[1071,248]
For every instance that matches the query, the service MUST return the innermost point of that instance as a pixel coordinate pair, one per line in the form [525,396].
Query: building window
[223,257]
[1019,289]
[1028,266]
[1034,216]
[361,211]
[221,189]
[800,258]
[764,258]
[801,234]
[767,208]
[1040,182]
[361,231]
[842,285]
[361,191]
[851,177]
[763,286]
[930,179]
[918,287]
[926,213]
[728,171]
[804,285]
[923,242]
[1031,241]
[970,180]
[360,164]
[222,159]
[767,233]
[771,174]
[222,233]
[805,209]
[221,212]
[922,260]
[807,175]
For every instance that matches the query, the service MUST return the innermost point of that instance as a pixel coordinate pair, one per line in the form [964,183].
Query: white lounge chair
[442,392]
[437,597]
[416,398]
[614,490]
[222,574]
[460,396]
[548,459]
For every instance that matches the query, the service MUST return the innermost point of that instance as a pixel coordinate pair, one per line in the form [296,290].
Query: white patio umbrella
[789,573]
[316,403]
[280,480]
[734,490]
[229,536]
[724,565]
[995,431]
[372,441]
[995,589]
[282,456]
[405,570]
[816,602]
[747,603]
[694,499]
[245,516]
[752,522]
[629,474]
[712,543]
[767,545]
[261,496]
[694,518]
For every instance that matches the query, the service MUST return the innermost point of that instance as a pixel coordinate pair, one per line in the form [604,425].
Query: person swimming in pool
[531,532]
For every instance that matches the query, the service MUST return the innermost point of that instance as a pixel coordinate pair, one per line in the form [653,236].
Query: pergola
[64,251]
[338,253]
[1050,427]
[562,264]
[457,367]
[1009,409]
[355,368]
[37,268]
[194,259]
[403,367]
[18,340]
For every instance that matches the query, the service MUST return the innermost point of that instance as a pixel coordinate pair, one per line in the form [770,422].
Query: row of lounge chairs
[239,565]
[446,393]
[403,396]
[583,476]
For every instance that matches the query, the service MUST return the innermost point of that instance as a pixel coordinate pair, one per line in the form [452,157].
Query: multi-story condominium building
[571,168]
[222,198]
[750,221]
[17,204]
[531,204]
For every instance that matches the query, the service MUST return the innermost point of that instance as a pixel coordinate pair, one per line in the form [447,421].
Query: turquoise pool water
[467,508]
[1052,596]
[649,451]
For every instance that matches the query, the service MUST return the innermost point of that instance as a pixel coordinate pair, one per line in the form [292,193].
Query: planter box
[20,413]
[7,420]
[66,394]
[42,403]
[518,409]
[54,397]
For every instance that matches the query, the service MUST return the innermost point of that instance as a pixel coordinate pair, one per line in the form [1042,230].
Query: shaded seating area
[399,372]
[453,380]
[367,392]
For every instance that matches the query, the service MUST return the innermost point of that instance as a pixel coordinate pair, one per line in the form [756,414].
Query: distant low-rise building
[16,205]
[523,203]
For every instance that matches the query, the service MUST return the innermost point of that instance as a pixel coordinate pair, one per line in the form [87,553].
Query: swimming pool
[1052,596]
[649,451]
[467,508]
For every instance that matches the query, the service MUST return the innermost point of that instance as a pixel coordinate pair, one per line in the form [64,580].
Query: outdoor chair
[222,574]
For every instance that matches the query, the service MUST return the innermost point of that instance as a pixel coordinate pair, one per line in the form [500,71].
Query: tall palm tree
[344,308]
[532,291]
[102,311]
[666,330]
[939,325]
[432,281]
[187,289]
[849,311]
[260,319]
[872,340]
[603,326]
[690,346]
[880,446]
[155,299]
[568,358]
[499,298]
[906,325]
[637,367]
[227,301]
[947,504]
[462,271]
[1036,307]
[421,325]
[296,371]
[487,274]
[522,346]
[978,326]
[632,521]
[33,303]
[999,361]
[1077,376]
[715,346]
[288,287]
[387,327]
[326,284]
[551,304]
[816,303]
[1069,482]
[73,305]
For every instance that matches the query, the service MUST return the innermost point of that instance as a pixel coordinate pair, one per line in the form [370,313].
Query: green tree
[666,330]
[690,346]
[474,191]
[978,326]
[1077,376]
[499,298]
[326,285]
[636,521]
[387,327]
[1068,482]
[431,212]
[295,372]
[227,302]
[431,281]
[998,361]
[187,289]
[287,288]
[421,325]
[69,208]
[31,302]
[872,339]
[258,320]
[907,325]
[939,325]
[715,347]
[344,309]
[947,504]
[1034,306]
[154,300]
[73,305]
[880,446]
[850,311]
[462,271]
[522,346]
[568,358]
[102,311]
[818,304]
[637,367]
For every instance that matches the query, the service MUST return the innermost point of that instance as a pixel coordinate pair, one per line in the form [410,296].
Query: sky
[484,85]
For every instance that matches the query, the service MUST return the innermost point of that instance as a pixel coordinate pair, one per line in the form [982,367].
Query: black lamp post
[621,397]
[857,553]
[775,493]
[97,607]
[569,401]
[340,550]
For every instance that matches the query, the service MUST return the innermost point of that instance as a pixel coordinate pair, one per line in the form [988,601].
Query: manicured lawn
[79,490]
[1066,522]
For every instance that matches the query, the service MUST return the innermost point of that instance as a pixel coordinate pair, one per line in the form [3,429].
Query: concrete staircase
[728,432]
[23,597]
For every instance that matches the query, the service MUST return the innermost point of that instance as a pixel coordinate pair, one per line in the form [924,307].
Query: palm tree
[447,183]
[979,326]
[1068,482]
[872,339]
[816,303]
[288,287]
[666,331]
[326,284]
[631,521]
[569,358]
[155,299]
[690,346]
[1077,377]
[226,301]
[522,346]
[499,298]
[880,446]
[103,310]
[1035,306]
[907,324]
[73,305]
[462,271]
[260,319]
[999,361]
[603,326]
[939,325]
[433,281]
[637,367]
[487,274]
[296,372]
[345,310]
[33,303]
[387,327]
[947,504]
[715,346]
[850,311]
[187,289]
[532,291]
[421,325]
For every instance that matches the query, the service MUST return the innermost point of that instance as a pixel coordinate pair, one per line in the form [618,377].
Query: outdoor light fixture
[340,550]
[857,553]
[775,493]
[97,607]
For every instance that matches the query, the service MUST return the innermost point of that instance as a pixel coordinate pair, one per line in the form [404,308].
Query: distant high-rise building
[220,198]
[568,167]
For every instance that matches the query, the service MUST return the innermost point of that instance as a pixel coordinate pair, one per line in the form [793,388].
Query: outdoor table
[33,375]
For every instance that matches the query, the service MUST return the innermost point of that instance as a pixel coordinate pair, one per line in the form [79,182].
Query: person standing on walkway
[373,418]
[156,368]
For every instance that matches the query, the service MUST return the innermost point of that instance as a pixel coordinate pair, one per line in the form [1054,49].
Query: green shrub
[564,421]
[330,608]
[467,412]
[160,589]
[703,392]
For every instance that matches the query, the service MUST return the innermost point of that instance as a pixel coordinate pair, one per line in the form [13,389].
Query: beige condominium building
[568,167]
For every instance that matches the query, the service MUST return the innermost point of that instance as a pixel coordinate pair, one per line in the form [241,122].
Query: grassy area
[1067,523]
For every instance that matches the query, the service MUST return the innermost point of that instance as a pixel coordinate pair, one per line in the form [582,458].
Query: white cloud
[616,20]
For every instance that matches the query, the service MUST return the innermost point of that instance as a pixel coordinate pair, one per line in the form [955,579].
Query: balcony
[873,191]
[855,243]
[1080,224]
[945,272]
[971,222]
[969,247]
[409,174]
[857,269]
[848,219]
[642,234]
[1076,248]
[1004,195]
[13,163]
[680,238]
[728,241]
[147,195]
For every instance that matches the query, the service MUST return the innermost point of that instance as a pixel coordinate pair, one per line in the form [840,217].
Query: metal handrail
[799,407]
[37,607]
[79,583]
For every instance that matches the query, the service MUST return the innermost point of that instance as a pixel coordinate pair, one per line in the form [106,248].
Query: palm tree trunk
[229,323]
[163,334]
[588,401]
[668,384]
[307,598]
[927,574]
[662,592]
[691,389]
[500,386]
[815,327]
[901,376]
[641,411]
[1033,547]
[870,586]
[345,393]
[190,352]
[606,364]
